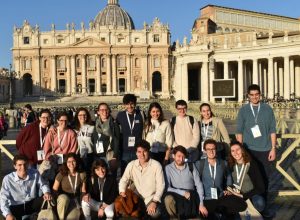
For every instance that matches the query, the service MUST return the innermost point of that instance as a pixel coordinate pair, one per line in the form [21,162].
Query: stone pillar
[165,77]
[114,75]
[73,74]
[255,72]
[204,82]
[144,71]
[98,74]
[286,87]
[53,74]
[297,79]
[211,78]
[108,75]
[292,75]
[68,91]
[83,74]
[276,89]
[240,81]
[265,79]
[184,82]
[38,75]
[280,80]
[226,74]
[129,74]
[270,78]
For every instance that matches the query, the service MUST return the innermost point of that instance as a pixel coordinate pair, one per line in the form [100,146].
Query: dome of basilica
[114,15]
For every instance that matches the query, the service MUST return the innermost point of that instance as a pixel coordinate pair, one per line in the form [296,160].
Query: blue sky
[179,14]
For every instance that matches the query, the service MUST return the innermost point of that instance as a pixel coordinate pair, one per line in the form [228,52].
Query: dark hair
[208,105]
[143,144]
[45,110]
[28,106]
[60,114]
[104,103]
[181,149]
[253,87]
[209,141]
[127,98]
[19,157]
[246,156]
[96,164]
[180,102]
[88,117]
[148,119]
[64,170]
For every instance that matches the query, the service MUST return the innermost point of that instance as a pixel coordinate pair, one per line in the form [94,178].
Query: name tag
[131,141]
[255,131]
[40,155]
[60,158]
[137,121]
[99,147]
[214,193]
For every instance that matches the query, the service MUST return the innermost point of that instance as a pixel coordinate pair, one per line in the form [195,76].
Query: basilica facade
[106,57]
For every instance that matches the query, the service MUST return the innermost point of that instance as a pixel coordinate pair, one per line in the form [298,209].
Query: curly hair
[246,156]
[64,170]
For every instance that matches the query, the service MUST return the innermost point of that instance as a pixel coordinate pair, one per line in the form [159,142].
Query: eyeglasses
[255,94]
[181,109]
[211,149]
[62,120]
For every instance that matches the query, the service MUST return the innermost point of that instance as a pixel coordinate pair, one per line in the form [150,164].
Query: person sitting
[19,192]
[147,177]
[68,186]
[184,196]
[102,190]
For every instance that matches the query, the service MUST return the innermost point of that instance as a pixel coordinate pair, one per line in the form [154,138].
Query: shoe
[268,213]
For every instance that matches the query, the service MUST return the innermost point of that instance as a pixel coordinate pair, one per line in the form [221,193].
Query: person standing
[256,129]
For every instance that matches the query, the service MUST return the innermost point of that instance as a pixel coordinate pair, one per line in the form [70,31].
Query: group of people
[179,168]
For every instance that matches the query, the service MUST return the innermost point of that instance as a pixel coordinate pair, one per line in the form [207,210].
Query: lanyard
[60,141]
[101,189]
[154,132]
[83,134]
[42,140]
[213,175]
[205,128]
[130,126]
[255,117]
[71,184]
[239,173]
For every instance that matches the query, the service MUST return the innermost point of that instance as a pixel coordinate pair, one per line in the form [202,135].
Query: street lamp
[11,75]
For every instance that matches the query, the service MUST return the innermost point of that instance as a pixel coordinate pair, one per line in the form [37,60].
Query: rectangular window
[103,73]
[121,40]
[137,40]
[103,39]
[60,41]
[156,38]
[26,40]
[77,39]
[45,41]
[79,74]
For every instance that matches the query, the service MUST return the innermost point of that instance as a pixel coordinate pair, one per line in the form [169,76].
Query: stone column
[270,78]
[226,73]
[240,81]
[128,71]
[276,88]
[114,75]
[108,75]
[184,82]
[280,79]
[211,78]
[165,77]
[53,74]
[204,82]
[83,74]
[144,71]
[265,79]
[297,79]
[73,74]
[292,75]
[98,74]
[38,75]
[68,91]
[255,72]
[286,76]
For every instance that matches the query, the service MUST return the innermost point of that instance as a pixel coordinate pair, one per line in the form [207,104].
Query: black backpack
[173,121]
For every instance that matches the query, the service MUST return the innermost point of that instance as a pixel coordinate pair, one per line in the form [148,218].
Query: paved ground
[286,208]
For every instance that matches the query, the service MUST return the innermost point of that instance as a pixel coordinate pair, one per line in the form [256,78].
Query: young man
[256,129]
[215,177]
[30,116]
[30,140]
[147,177]
[186,131]
[131,122]
[184,197]
[19,191]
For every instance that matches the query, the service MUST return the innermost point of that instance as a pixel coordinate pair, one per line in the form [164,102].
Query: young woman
[158,133]
[68,186]
[212,127]
[102,191]
[246,176]
[84,131]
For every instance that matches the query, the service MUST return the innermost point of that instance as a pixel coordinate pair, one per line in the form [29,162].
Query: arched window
[103,62]
[78,62]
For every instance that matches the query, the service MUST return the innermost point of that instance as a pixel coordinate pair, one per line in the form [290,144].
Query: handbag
[109,152]
[47,214]
[127,206]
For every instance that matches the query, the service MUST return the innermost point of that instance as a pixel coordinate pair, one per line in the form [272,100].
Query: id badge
[214,193]
[60,158]
[99,147]
[131,141]
[40,155]
[255,131]
[202,146]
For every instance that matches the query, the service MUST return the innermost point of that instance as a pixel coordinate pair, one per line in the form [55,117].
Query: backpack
[201,167]
[173,121]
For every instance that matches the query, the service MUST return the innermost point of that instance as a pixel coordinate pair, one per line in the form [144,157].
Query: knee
[258,202]
[85,207]
[109,212]
[63,199]
[169,200]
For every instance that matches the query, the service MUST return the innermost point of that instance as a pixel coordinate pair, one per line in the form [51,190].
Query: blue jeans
[258,202]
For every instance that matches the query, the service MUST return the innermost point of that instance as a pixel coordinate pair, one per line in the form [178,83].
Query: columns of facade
[226,74]
[108,75]
[129,74]
[292,75]
[53,74]
[265,79]
[211,78]
[144,71]
[98,75]
[73,74]
[255,72]
[270,78]
[276,86]
[286,76]
[280,79]
[260,75]
[68,91]
[297,79]
[204,82]
[165,77]
[184,82]
[114,74]
[83,74]
[240,81]
[38,75]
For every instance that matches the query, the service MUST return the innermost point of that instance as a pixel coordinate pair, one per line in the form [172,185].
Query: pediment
[90,42]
